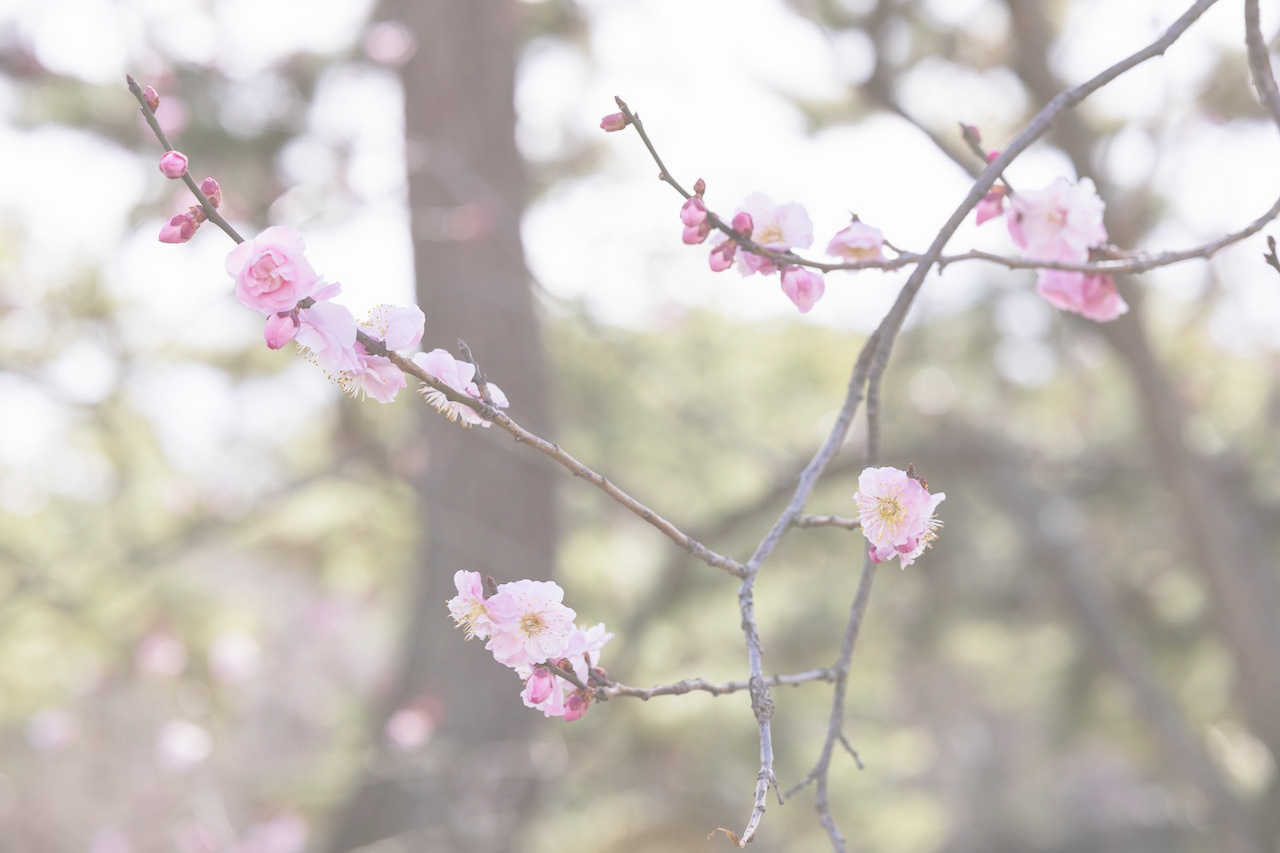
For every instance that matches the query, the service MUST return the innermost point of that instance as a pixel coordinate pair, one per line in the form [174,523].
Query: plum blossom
[803,287]
[991,206]
[458,375]
[1092,296]
[614,122]
[271,272]
[327,332]
[896,512]
[857,241]
[779,227]
[173,164]
[530,623]
[468,607]
[398,328]
[1058,223]
[181,227]
[582,656]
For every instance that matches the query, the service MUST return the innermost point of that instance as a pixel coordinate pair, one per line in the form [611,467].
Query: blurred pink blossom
[1058,223]
[857,241]
[1091,296]
[803,287]
[458,375]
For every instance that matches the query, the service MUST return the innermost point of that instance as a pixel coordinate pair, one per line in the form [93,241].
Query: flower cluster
[1061,223]
[896,513]
[528,628]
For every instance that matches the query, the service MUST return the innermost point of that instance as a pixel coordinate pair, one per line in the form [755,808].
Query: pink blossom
[803,287]
[722,255]
[282,327]
[693,212]
[1058,223]
[742,223]
[375,376]
[582,655]
[211,191]
[692,235]
[991,206]
[271,272]
[181,227]
[538,686]
[896,512]
[614,122]
[1092,296]
[530,624]
[327,331]
[857,241]
[575,706]
[458,375]
[778,227]
[468,607]
[173,164]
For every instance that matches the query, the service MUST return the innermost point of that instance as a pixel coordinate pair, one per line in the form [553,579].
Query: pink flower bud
[693,212]
[575,706]
[695,234]
[152,97]
[281,328]
[614,122]
[722,256]
[173,164]
[540,684]
[742,224]
[699,187]
[803,287]
[180,228]
[212,191]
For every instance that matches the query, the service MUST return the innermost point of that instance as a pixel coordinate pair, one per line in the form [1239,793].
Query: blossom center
[767,235]
[532,624]
[889,510]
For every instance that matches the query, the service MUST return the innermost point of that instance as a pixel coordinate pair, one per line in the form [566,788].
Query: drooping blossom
[327,332]
[271,271]
[173,164]
[896,513]
[468,607]
[1092,296]
[1058,223]
[398,328]
[458,375]
[804,287]
[857,241]
[581,657]
[531,625]
[779,227]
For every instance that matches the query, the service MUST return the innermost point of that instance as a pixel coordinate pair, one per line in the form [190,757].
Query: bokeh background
[222,583]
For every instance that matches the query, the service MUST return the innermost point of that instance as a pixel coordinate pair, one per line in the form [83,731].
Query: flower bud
[695,234]
[152,97]
[281,328]
[693,212]
[699,187]
[803,287]
[540,684]
[180,228]
[614,122]
[575,706]
[722,256]
[742,224]
[173,164]
[212,191]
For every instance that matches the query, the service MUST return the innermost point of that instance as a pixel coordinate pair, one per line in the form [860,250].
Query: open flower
[1058,223]
[896,512]
[531,625]
[1091,296]
[271,272]
[458,375]
[780,227]
[857,241]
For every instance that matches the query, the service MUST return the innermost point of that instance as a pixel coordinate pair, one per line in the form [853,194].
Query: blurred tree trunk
[490,506]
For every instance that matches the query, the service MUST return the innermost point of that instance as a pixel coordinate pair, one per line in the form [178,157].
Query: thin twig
[690,685]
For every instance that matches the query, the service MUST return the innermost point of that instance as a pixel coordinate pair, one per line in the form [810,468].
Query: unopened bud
[212,191]
[742,224]
[614,122]
[693,211]
[281,328]
[180,228]
[575,706]
[173,164]
[695,234]
[152,97]
[722,256]
[699,187]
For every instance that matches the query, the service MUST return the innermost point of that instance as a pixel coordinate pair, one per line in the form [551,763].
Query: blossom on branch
[779,227]
[1091,296]
[459,376]
[530,623]
[173,164]
[896,513]
[327,332]
[1058,223]
[857,241]
[271,272]
[803,287]
[398,328]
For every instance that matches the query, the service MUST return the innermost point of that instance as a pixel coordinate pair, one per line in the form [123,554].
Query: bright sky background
[712,81]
